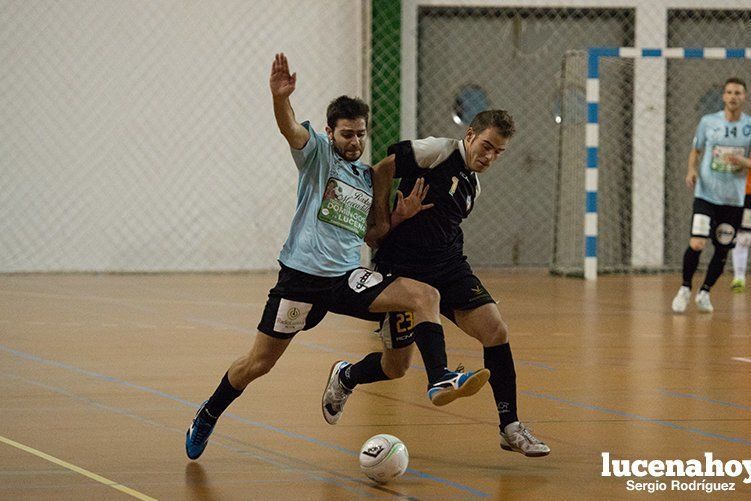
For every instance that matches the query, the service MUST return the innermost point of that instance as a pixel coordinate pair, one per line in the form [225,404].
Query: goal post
[630,151]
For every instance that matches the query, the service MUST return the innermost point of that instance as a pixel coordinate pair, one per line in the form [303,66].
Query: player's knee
[427,298]
[503,332]
[254,367]
[496,334]
[697,244]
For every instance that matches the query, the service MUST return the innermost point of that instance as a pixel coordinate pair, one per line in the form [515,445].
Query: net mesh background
[139,136]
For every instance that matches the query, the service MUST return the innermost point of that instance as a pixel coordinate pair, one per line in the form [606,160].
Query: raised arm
[282,85]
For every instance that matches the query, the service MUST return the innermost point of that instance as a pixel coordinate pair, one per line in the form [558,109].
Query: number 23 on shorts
[405,322]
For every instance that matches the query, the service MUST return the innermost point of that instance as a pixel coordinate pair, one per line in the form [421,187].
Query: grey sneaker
[703,302]
[335,394]
[517,438]
[680,301]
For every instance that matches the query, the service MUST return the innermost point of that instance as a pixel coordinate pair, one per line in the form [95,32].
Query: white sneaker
[517,438]
[680,301]
[335,395]
[703,302]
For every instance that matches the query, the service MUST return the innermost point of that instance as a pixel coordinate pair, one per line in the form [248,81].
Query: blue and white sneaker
[457,384]
[335,394]
[198,434]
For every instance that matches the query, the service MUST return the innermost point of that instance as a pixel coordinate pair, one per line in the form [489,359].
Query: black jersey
[433,236]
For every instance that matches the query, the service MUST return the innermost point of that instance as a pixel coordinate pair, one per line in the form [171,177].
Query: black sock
[432,345]
[690,263]
[500,362]
[367,370]
[224,395]
[716,267]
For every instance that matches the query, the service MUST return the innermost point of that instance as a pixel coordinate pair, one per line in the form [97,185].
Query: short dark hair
[346,107]
[734,80]
[500,119]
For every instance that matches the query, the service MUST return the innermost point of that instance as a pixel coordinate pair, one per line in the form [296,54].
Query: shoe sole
[506,447]
[323,397]
[469,388]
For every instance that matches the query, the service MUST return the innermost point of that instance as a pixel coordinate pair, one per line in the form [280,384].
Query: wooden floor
[101,375]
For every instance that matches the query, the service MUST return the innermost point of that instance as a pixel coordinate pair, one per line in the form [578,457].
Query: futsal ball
[383,458]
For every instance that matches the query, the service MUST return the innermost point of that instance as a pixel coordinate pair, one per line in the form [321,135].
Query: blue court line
[349,355]
[218,443]
[660,422]
[676,394]
[252,332]
[258,424]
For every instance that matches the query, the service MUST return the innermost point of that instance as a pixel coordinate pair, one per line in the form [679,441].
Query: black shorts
[460,289]
[299,301]
[718,222]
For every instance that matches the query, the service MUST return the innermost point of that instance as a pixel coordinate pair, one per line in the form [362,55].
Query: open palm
[282,83]
[411,205]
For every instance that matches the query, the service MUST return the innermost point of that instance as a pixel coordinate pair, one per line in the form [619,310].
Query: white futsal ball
[383,458]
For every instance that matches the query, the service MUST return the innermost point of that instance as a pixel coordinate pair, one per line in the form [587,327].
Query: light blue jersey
[333,201]
[720,182]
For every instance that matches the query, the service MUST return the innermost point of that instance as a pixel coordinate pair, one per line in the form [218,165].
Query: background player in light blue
[320,269]
[722,142]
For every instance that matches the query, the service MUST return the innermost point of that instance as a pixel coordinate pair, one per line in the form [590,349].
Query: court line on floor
[257,424]
[147,300]
[244,330]
[636,417]
[77,469]
[218,443]
[677,394]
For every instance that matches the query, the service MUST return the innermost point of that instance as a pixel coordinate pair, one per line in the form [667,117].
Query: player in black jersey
[320,270]
[429,247]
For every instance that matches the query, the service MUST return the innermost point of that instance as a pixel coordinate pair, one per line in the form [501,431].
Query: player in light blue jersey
[321,273]
[721,145]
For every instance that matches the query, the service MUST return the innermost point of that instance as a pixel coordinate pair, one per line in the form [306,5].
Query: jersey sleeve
[418,155]
[305,157]
[700,138]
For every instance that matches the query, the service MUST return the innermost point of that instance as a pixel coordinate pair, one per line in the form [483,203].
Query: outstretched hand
[412,205]
[282,83]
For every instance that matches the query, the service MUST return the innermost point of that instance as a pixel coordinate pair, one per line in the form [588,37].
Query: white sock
[740,258]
